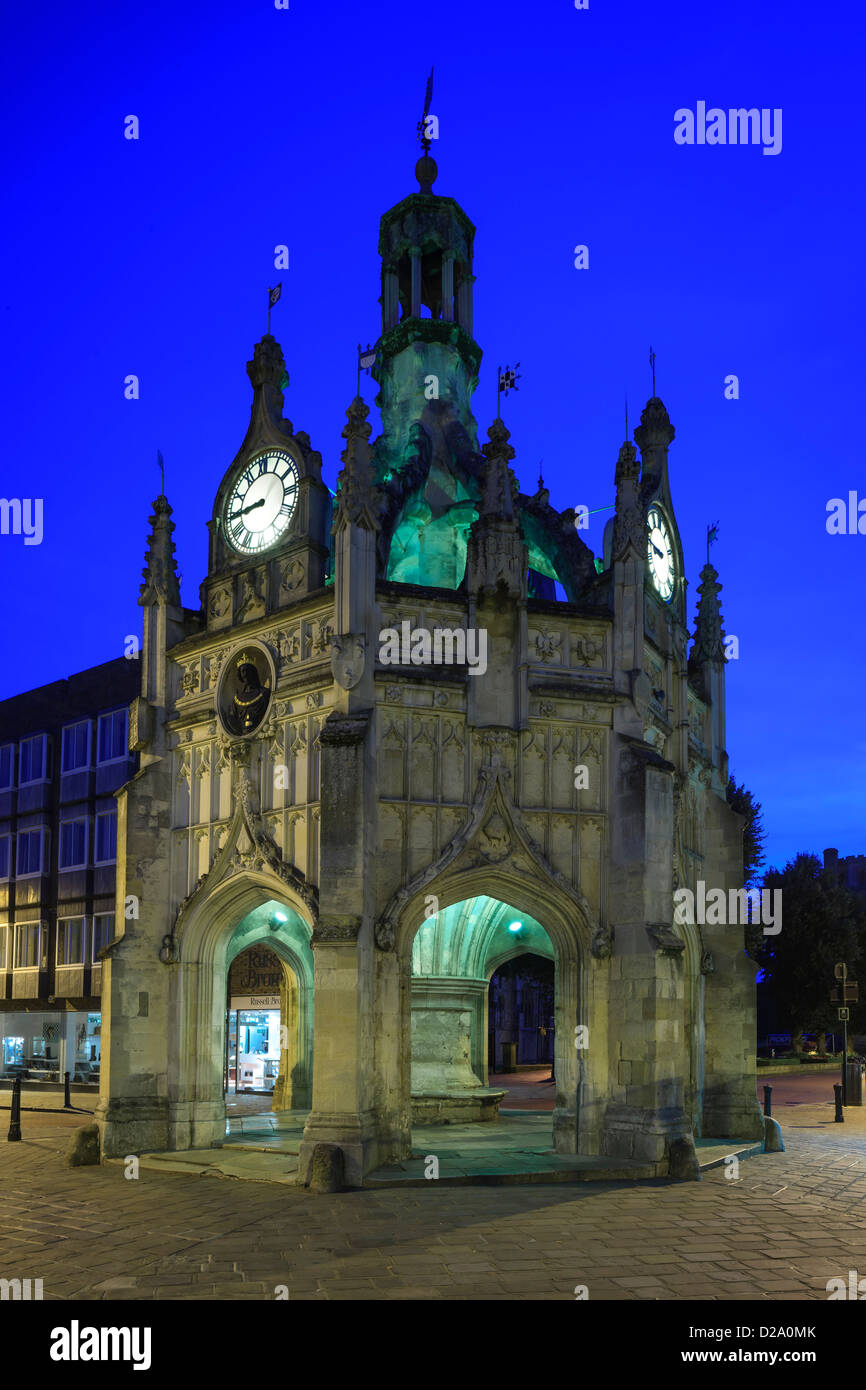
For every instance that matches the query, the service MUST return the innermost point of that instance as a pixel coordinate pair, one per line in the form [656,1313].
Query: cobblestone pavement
[786,1225]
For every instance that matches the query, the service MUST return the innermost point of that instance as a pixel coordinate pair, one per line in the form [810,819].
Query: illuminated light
[279,917]
[514,926]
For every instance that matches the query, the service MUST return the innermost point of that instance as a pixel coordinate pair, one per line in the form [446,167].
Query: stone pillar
[390,302]
[646,1114]
[415,263]
[448,286]
[464,303]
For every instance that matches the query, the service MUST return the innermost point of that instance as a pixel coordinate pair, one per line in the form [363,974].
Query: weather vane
[423,138]
[653,365]
[506,381]
[712,535]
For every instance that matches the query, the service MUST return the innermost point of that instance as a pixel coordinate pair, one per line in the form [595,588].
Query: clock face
[262,502]
[660,554]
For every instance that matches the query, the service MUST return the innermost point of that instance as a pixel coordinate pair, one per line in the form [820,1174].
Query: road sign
[848,993]
[844,1015]
[840,970]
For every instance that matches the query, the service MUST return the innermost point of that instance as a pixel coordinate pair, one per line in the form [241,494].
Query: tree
[821,923]
[741,800]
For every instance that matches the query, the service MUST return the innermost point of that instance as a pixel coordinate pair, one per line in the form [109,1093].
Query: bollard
[15,1116]
[840,1118]
[66,1097]
[768,1106]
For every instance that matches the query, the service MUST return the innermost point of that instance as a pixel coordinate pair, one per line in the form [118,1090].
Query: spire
[496,553]
[497,491]
[709,637]
[654,434]
[357,493]
[628,524]
[267,372]
[160,571]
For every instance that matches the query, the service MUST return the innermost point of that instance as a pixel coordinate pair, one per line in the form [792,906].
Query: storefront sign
[255,1001]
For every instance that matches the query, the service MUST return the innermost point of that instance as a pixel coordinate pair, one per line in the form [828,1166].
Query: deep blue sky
[261,126]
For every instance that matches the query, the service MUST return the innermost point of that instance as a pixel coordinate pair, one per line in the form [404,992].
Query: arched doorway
[269,1010]
[520,1014]
[466,975]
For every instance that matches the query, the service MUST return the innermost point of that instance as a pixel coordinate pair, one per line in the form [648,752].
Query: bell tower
[426,358]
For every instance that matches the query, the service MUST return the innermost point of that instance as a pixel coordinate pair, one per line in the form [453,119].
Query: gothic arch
[205,929]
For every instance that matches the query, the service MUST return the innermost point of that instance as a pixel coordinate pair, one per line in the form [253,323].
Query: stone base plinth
[456,1108]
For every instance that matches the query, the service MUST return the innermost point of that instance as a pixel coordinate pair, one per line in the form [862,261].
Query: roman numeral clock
[271,520]
[262,503]
[661,560]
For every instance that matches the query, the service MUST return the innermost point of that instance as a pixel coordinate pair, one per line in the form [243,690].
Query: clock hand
[656,549]
[251,508]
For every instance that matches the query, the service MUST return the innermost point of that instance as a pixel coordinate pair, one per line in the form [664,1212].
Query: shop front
[43,1045]
[252,1043]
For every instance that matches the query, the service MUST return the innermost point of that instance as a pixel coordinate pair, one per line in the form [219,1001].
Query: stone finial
[496,555]
[654,434]
[497,492]
[160,570]
[628,522]
[426,171]
[655,426]
[709,635]
[266,373]
[357,494]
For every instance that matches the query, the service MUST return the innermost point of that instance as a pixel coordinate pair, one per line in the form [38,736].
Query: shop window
[113,736]
[33,760]
[32,845]
[106,837]
[75,752]
[70,941]
[29,941]
[103,932]
[13,1052]
[73,844]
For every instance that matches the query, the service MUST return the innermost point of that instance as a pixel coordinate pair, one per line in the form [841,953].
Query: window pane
[5,855]
[75,747]
[106,836]
[113,735]
[72,843]
[6,765]
[26,945]
[70,941]
[29,851]
[103,932]
[32,759]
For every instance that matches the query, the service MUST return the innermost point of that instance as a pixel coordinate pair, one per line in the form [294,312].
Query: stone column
[415,263]
[390,304]
[448,286]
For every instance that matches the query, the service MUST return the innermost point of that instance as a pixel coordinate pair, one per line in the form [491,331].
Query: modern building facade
[63,754]
[410,734]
